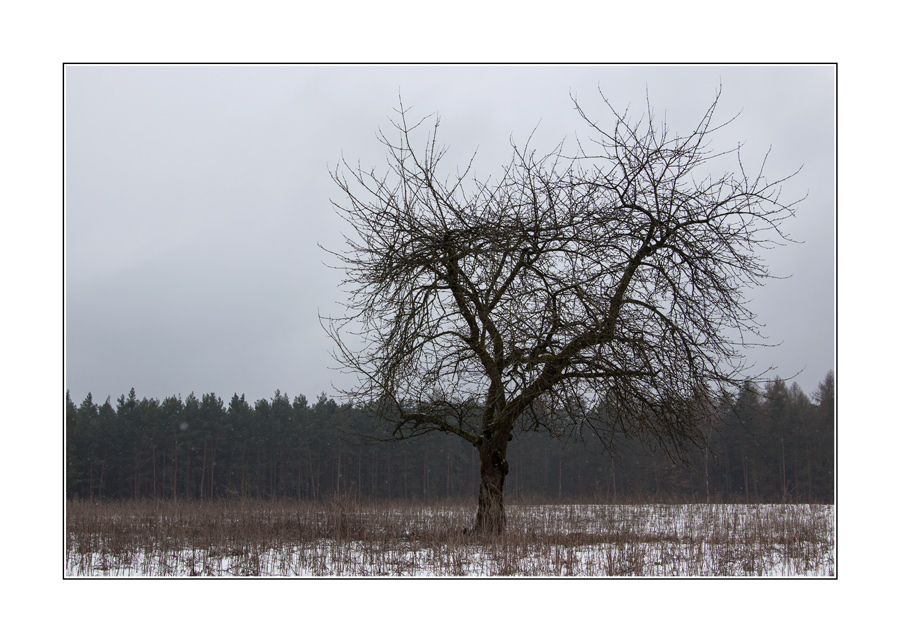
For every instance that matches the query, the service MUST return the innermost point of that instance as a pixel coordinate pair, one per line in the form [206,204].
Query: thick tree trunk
[491,517]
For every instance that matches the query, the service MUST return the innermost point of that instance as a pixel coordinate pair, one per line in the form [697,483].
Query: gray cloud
[196,198]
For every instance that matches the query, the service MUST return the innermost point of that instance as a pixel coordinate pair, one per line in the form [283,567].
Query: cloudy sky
[197,198]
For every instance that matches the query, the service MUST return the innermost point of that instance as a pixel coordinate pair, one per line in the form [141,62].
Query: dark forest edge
[774,444]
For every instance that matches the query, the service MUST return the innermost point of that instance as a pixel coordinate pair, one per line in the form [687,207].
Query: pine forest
[772,444]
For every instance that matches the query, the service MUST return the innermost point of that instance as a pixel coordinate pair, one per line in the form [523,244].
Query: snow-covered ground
[550,540]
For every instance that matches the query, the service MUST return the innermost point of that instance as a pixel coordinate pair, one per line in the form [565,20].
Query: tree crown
[604,288]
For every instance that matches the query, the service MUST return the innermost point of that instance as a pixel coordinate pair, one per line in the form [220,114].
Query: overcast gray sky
[196,198]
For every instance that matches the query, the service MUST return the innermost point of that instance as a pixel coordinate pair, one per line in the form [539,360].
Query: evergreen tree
[823,460]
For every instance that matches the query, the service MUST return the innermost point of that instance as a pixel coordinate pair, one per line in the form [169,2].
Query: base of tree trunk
[491,516]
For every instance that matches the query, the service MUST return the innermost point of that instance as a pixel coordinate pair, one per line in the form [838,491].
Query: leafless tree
[597,290]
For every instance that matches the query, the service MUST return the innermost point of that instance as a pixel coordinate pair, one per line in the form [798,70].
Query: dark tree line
[768,444]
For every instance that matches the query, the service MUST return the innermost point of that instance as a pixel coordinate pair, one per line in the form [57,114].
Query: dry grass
[348,538]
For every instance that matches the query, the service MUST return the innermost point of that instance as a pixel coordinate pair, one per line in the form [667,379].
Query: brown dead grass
[343,537]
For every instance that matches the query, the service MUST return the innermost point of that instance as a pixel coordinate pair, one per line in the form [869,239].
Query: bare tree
[601,290]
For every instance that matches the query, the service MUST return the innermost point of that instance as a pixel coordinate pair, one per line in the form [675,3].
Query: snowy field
[345,539]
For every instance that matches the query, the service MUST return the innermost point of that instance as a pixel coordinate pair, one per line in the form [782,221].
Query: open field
[359,539]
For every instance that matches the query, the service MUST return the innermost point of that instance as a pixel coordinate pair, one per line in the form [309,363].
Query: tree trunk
[175,472]
[212,469]
[203,472]
[300,472]
[491,517]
